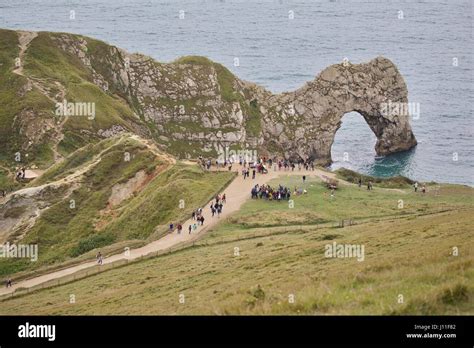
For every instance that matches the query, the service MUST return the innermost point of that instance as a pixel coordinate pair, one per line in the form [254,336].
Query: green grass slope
[280,265]
[46,62]
[17,100]
[64,233]
[28,123]
[62,66]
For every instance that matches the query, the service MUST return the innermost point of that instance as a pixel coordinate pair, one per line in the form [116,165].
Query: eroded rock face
[198,107]
[305,122]
[301,124]
[19,212]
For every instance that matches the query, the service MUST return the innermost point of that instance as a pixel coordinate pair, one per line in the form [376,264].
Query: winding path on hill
[71,178]
[236,194]
[24,40]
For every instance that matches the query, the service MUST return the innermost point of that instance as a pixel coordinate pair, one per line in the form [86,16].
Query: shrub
[92,242]
[353,177]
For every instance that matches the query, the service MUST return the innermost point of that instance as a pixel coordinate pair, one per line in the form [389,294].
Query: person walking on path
[213,211]
[415,186]
[304,178]
[9,283]
[180,227]
[190,228]
[223,198]
[99,258]
[253,174]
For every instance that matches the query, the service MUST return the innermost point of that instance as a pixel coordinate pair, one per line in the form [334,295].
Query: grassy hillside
[115,189]
[73,162]
[172,103]
[64,233]
[349,202]
[47,63]
[408,252]
[21,108]
[28,96]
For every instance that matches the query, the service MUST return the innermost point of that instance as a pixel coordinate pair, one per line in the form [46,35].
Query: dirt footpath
[236,194]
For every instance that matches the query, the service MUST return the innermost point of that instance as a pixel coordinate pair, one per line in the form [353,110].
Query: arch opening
[354,143]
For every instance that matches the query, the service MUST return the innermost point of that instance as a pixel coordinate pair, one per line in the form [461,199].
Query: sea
[281,44]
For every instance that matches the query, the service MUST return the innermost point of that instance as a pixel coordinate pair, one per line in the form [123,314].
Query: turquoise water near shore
[282,44]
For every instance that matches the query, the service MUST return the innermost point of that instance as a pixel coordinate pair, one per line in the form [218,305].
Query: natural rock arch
[193,106]
[308,118]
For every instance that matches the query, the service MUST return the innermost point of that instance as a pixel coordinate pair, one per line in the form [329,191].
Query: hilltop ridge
[189,107]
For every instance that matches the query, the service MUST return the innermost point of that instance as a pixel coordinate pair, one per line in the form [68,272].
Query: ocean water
[281,44]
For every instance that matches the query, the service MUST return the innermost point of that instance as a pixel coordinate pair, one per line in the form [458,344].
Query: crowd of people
[265,191]
[269,193]
[216,208]
[292,165]
[260,165]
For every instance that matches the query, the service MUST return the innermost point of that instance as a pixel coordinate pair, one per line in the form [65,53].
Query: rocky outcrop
[194,106]
[303,123]
[187,101]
